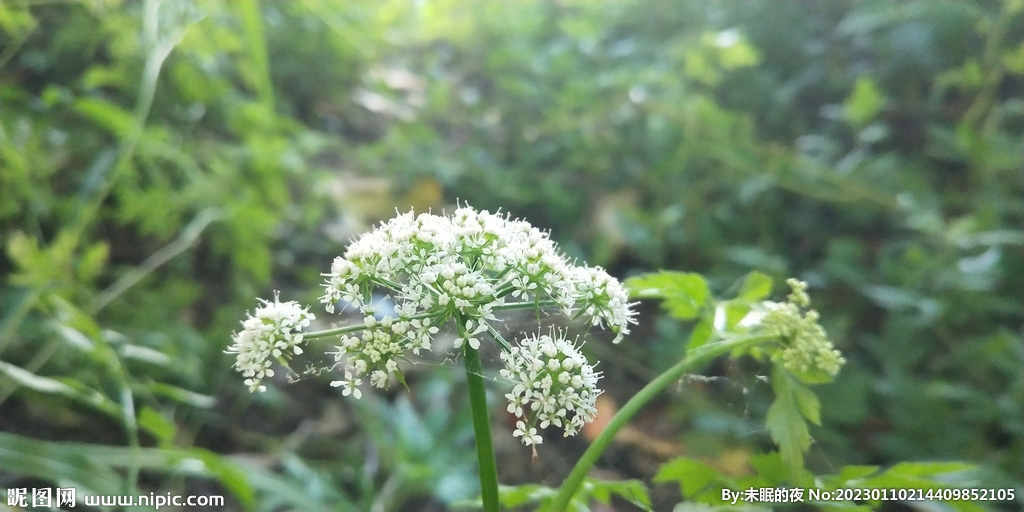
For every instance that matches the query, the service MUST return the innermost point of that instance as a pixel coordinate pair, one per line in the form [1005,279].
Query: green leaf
[691,474]
[737,55]
[786,423]
[756,286]
[519,495]
[92,468]
[813,376]
[91,262]
[630,490]
[252,22]
[864,102]
[107,115]
[732,311]
[181,395]
[807,402]
[769,466]
[155,423]
[64,387]
[649,286]
[43,459]
[685,293]
[700,335]
[930,468]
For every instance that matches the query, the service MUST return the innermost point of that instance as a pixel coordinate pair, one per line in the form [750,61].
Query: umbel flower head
[553,385]
[462,267]
[273,331]
[806,348]
[452,270]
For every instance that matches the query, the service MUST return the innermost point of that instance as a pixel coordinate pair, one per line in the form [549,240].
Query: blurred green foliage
[161,161]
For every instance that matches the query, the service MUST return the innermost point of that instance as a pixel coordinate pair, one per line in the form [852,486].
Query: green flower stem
[524,305]
[694,359]
[499,338]
[338,331]
[482,430]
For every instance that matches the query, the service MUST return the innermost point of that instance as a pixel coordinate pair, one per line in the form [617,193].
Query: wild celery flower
[461,270]
[273,331]
[553,385]
[806,347]
[462,267]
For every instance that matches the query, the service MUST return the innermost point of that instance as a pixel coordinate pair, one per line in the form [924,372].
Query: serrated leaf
[649,286]
[786,424]
[807,402]
[756,286]
[685,293]
[692,475]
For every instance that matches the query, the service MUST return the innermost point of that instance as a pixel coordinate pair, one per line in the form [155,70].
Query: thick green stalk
[482,430]
[694,359]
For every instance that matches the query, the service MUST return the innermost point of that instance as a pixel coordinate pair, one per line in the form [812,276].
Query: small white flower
[272,332]
[379,379]
[552,384]
[469,335]
[530,436]
[350,386]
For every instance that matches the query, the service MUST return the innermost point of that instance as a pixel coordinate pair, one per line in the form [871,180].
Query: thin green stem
[524,305]
[333,332]
[337,331]
[694,359]
[186,239]
[359,327]
[498,337]
[160,49]
[482,430]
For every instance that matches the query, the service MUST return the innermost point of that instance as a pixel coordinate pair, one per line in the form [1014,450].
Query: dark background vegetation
[164,163]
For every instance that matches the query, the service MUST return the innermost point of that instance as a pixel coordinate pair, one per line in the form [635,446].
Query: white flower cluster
[457,267]
[272,332]
[553,385]
[806,347]
[377,351]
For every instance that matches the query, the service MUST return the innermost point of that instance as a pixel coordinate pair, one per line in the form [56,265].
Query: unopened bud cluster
[805,345]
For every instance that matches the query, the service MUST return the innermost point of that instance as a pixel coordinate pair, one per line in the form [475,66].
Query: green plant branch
[359,327]
[185,240]
[252,24]
[693,360]
[481,429]
[159,51]
[524,305]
